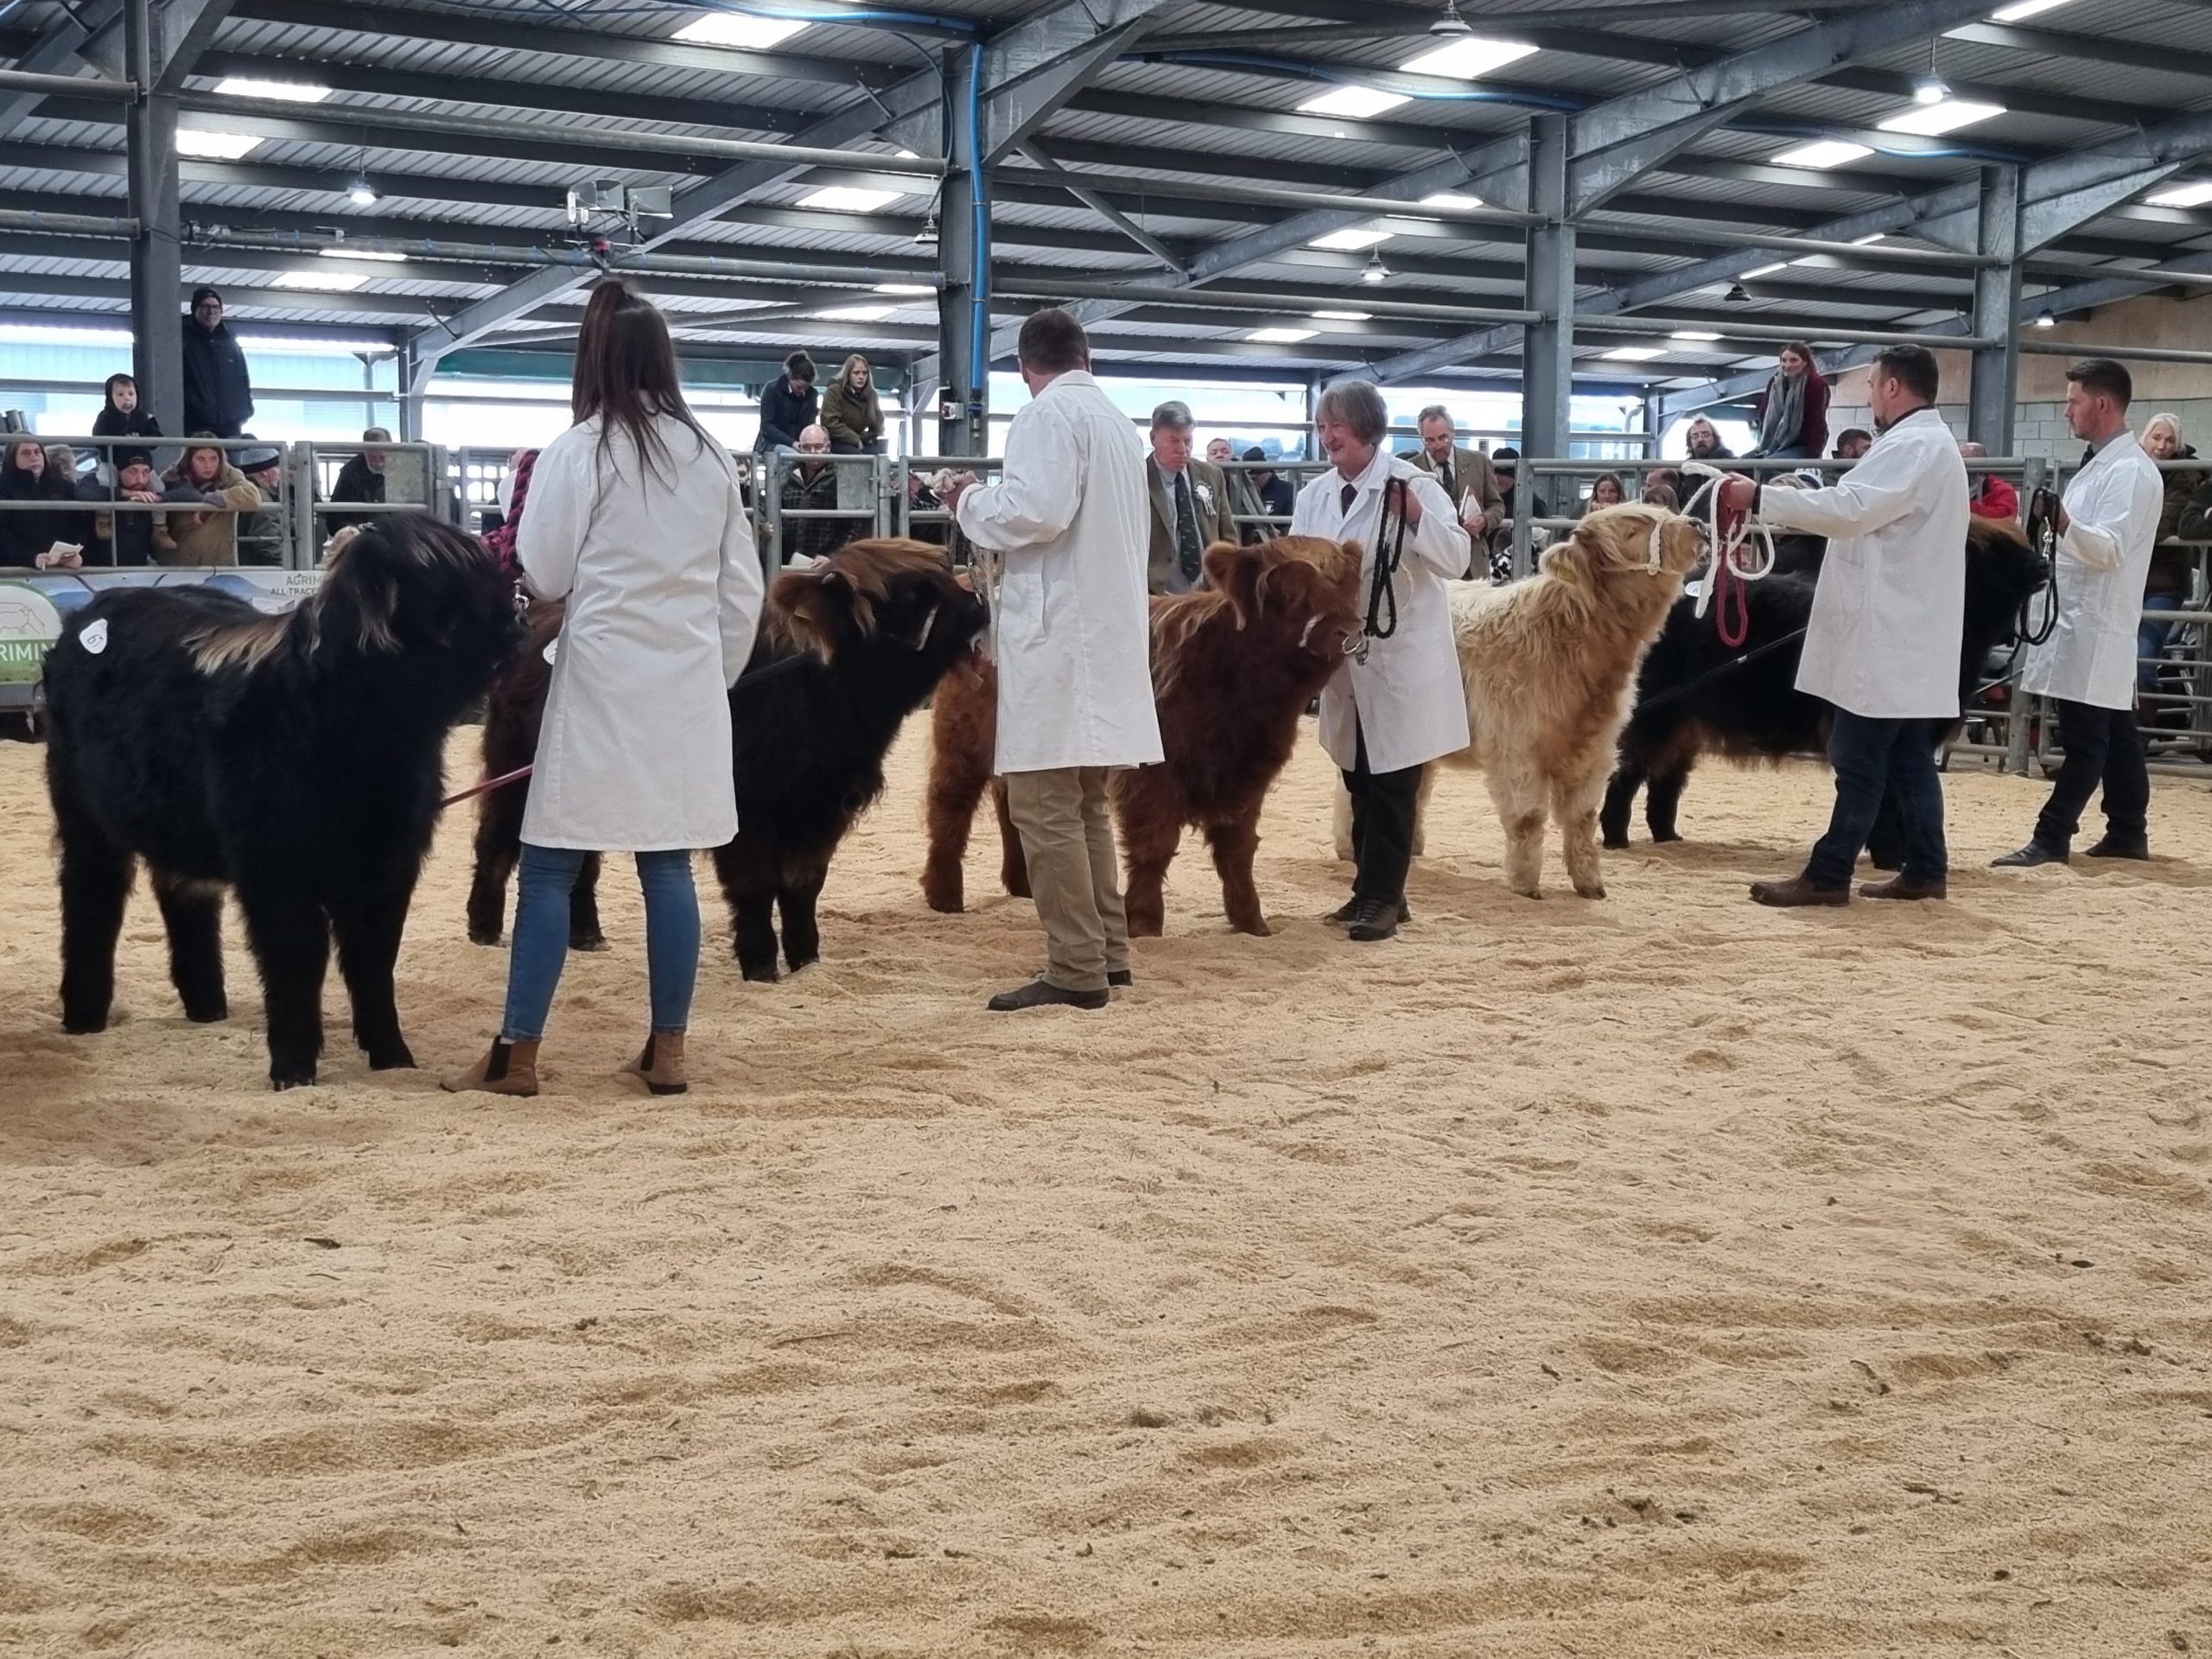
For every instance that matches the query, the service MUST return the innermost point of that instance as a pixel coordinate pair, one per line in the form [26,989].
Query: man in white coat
[1882,644]
[2106,526]
[1068,519]
[1384,718]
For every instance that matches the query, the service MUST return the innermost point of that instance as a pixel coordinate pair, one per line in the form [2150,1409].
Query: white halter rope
[1733,555]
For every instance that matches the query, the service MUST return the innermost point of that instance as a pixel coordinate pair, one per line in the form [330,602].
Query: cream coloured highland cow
[1549,666]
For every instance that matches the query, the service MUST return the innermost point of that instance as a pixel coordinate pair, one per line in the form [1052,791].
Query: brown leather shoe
[506,1069]
[1898,887]
[1796,892]
[661,1063]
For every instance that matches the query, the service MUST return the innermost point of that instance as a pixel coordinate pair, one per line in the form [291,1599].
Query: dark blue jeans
[2150,639]
[1870,756]
[540,950]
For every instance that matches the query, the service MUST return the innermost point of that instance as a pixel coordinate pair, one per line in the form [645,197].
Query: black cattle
[297,759]
[850,648]
[1690,703]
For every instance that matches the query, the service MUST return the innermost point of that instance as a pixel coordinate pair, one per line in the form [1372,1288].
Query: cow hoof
[208,1014]
[945,906]
[1529,892]
[760,976]
[1019,890]
[794,967]
[591,942]
[401,1058]
[484,936]
[84,1026]
[1258,929]
[1596,890]
[1658,839]
[281,1078]
[1615,843]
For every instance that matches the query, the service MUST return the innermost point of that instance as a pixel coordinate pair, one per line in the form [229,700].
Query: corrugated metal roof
[1231,97]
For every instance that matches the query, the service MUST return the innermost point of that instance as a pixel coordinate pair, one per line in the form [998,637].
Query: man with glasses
[218,390]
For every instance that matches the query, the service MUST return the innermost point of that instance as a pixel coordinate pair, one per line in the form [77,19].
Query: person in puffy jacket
[851,412]
[788,406]
[218,390]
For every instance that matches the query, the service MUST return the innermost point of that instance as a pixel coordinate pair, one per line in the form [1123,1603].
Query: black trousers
[2103,746]
[1381,827]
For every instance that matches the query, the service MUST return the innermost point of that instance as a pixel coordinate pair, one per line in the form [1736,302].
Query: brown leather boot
[1796,890]
[1898,887]
[507,1068]
[661,1063]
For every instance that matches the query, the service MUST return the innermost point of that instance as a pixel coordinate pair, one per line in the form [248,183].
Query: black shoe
[2114,847]
[1043,994]
[1342,915]
[2029,857]
[1375,918]
[1120,979]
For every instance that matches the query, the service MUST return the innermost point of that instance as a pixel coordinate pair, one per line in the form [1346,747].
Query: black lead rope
[2043,536]
[1390,553]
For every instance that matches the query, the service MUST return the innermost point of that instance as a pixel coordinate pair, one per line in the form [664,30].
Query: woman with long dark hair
[635,520]
[1793,408]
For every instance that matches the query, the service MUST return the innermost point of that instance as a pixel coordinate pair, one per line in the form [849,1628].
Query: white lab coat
[2104,559]
[663,589]
[1070,520]
[1407,697]
[1890,605]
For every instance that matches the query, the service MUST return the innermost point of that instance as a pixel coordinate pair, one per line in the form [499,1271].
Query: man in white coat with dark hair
[1072,622]
[1883,642]
[2106,527]
[1386,716]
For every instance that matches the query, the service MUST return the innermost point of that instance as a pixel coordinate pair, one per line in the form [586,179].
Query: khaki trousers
[1067,837]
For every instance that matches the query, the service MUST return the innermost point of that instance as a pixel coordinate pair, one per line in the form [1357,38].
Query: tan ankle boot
[661,1064]
[507,1068]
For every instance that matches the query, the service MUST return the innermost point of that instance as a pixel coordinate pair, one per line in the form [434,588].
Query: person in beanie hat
[218,390]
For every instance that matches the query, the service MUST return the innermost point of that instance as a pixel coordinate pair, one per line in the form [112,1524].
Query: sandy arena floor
[1657,1277]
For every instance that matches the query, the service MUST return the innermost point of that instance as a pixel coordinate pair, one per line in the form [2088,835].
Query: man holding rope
[2106,526]
[1882,644]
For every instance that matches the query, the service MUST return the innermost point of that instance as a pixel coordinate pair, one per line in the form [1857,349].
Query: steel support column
[414,378]
[1547,357]
[156,278]
[964,250]
[1993,389]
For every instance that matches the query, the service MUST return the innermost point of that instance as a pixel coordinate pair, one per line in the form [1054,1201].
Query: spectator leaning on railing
[261,535]
[209,535]
[810,486]
[361,479]
[128,537]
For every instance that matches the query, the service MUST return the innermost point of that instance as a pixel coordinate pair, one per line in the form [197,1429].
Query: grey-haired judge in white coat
[1072,625]
[2107,524]
[1383,719]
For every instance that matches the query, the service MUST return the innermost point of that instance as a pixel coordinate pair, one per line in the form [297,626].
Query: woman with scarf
[1794,409]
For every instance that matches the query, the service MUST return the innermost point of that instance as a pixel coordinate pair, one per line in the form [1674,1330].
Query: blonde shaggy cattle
[1549,666]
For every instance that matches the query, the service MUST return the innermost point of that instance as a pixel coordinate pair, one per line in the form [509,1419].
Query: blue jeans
[2150,639]
[1870,757]
[541,936]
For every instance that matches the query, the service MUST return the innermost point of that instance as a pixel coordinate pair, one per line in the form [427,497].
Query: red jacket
[1994,500]
[1814,437]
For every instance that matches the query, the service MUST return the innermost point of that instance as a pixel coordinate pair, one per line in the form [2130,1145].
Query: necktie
[1444,477]
[1351,495]
[2089,455]
[1187,528]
